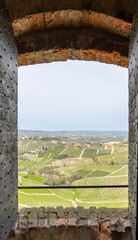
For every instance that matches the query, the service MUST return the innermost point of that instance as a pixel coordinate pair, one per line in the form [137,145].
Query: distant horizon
[79,130]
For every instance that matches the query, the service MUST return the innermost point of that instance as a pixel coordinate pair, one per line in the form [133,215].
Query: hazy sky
[73,95]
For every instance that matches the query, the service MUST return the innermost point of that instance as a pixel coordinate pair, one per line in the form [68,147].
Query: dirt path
[74,203]
[102,201]
[112,150]
[91,172]
[47,194]
[72,171]
[69,200]
[22,205]
[63,151]
[43,163]
[82,153]
[117,170]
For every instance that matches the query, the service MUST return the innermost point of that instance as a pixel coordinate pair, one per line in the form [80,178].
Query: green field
[60,162]
[77,197]
[90,153]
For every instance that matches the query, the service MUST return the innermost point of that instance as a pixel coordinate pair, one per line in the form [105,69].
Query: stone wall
[8,126]
[133,126]
[71,224]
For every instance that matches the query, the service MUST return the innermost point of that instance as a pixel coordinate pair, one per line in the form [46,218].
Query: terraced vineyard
[65,162]
[90,153]
[114,197]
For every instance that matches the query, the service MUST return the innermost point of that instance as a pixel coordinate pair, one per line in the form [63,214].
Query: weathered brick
[102,21]
[81,212]
[126,29]
[43,228]
[124,61]
[67,16]
[85,18]
[21,26]
[42,223]
[32,223]
[33,214]
[60,212]
[52,222]
[70,211]
[61,222]
[42,213]
[110,23]
[118,25]
[72,222]
[34,22]
[33,229]
[49,19]
[94,19]
[76,18]
[41,21]
[101,56]
[81,227]
[108,57]
[57,19]
[51,210]
[94,228]
[86,55]
[93,53]
[22,224]
[64,54]
[105,233]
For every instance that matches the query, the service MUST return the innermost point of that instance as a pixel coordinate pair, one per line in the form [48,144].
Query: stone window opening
[75,30]
[36,83]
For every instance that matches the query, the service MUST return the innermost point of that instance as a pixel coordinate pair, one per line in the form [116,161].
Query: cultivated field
[64,160]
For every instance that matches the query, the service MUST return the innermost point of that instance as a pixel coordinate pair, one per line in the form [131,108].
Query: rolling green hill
[69,161]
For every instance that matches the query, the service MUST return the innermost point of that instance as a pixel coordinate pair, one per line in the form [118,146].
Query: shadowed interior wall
[8,126]
[133,126]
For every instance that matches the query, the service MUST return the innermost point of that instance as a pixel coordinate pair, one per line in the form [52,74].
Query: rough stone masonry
[71,224]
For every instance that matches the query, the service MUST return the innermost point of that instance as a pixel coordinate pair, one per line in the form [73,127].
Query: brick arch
[49,56]
[71,19]
[72,34]
[104,26]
